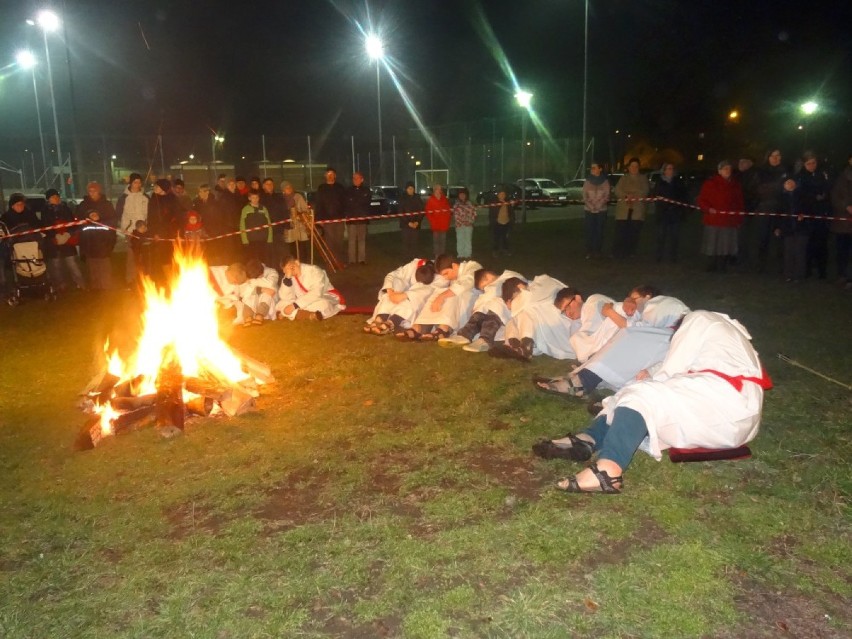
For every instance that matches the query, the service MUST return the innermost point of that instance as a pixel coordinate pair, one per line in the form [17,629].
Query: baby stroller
[29,270]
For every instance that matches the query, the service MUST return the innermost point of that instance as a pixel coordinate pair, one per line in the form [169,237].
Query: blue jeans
[595,223]
[618,441]
[464,240]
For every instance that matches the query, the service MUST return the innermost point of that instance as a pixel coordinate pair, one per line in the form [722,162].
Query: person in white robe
[449,309]
[259,294]
[307,293]
[707,393]
[229,283]
[490,312]
[543,319]
[403,295]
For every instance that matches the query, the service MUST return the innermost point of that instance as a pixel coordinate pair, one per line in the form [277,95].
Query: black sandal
[408,335]
[435,335]
[580,450]
[607,483]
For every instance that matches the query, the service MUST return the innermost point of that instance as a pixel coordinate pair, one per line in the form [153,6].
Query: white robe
[491,300]
[683,405]
[456,309]
[228,295]
[312,291]
[535,316]
[637,347]
[595,329]
[404,280]
[251,297]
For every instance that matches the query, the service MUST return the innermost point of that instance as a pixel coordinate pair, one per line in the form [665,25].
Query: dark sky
[297,67]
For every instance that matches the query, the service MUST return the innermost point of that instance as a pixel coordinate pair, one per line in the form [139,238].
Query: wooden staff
[318,241]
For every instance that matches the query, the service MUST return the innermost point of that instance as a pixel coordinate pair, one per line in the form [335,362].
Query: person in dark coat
[358,197]
[768,184]
[17,215]
[278,213]
[164,223]
[96,245]
[815,199]
[95,201]
[501,219]
[208,207]
[410,202]
[669,215]
[794,231]
[329,204]
[60,247]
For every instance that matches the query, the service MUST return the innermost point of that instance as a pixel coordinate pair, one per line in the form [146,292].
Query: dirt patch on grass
[190,518]
[300,500]
[787,614]
[519,475]
[618,551]
[344,627]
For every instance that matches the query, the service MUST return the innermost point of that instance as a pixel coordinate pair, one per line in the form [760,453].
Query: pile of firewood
[166,408]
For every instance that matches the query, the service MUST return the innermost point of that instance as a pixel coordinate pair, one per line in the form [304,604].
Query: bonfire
[178,366]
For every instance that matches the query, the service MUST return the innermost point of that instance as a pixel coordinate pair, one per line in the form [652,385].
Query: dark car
[514,193]
[378,201]
[391,194]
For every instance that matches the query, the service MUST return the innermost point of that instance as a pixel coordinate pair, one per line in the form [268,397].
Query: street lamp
[808,109]
[524,99]
[49,21]
[217,139]
[376,51]
[26,60]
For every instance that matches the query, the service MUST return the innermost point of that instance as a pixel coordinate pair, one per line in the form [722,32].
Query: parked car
[391,195]
[574,191]
[514,192]
[550,190]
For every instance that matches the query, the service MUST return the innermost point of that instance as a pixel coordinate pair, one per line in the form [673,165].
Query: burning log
[201,406]
[237,401]
[258,370]
[132,403]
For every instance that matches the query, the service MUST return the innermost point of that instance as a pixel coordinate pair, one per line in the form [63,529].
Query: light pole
[524,99]
[49,21]
[376,51]
[217,139]
[26,60]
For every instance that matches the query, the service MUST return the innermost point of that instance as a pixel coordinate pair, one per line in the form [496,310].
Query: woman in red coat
[438,211]
[720,195]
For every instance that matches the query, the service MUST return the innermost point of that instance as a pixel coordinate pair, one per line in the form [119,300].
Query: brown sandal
[607,484]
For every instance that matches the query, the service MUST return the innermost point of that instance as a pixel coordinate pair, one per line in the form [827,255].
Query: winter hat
[722,165]
[164,184]
[15,198]
[50,193]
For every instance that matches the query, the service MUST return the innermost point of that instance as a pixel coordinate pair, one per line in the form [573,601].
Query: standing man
[164,216]
[206,205]
[409,225]
[61,245]
[669,213]
[329,204]
[357,205]
[184,199]
[277,207]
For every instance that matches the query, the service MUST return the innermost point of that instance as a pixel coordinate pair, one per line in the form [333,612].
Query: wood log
[200,406]
[205,387]
[132,403]
[133,419]
[236,401]
[128,388]
[89,433]
[257,369]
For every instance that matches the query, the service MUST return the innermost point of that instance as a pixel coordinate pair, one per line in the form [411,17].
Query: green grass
[387,490]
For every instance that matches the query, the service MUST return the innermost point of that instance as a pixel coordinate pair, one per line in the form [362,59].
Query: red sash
[737,380]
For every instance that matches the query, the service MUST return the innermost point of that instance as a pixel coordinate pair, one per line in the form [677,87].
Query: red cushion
[708,454]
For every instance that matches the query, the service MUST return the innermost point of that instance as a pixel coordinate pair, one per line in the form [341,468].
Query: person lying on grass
[401,300]
[708,393]
[448,309]
[543,319]
[306,292]
[491,311]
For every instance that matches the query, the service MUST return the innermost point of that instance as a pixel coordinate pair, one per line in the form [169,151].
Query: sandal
[607,484]
[408,335]
[435,335]
[368,328]
[510,349]
[381,328]
[578,450]
[258,320]
[248,323]
[553,385]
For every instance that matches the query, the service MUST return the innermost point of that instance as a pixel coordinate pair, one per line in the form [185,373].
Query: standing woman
[630,210]
[669,215]
[596,189]
[720,194]
[464,214]
[438,214]
[769,180]
[131,207]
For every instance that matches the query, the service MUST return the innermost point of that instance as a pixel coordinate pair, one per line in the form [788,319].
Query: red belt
[737,380]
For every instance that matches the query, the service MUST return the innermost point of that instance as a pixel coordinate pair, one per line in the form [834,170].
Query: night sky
[291,68]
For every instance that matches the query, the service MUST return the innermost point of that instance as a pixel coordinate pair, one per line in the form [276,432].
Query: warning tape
[386,216]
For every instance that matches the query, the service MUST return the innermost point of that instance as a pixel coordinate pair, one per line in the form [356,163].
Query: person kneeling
[306,292]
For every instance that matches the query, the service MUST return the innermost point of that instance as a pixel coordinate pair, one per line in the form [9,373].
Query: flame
[107,414]
[179,328]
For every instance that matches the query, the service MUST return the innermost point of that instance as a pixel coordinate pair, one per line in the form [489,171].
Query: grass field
[388,490]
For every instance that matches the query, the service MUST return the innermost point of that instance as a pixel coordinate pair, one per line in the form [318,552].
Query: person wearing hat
[131,207]
[19,213]
[409,225]
[60,247]
[95,201]
[721,202]
[164,222]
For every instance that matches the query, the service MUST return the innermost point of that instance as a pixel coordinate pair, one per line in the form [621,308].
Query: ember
[180,364]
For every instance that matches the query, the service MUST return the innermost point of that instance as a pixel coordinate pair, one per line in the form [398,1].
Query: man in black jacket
[60,247]
[410,202]
[329,204]
[277,207]
[358,198]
